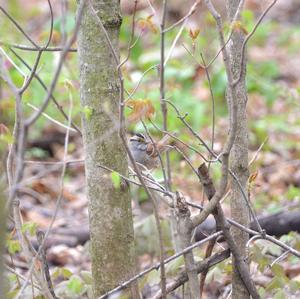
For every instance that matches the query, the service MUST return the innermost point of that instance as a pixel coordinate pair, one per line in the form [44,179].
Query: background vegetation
[273,115]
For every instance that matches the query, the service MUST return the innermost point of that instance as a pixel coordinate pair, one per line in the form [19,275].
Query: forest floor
[274,123]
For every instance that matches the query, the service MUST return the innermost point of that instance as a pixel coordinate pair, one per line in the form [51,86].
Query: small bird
[144,152]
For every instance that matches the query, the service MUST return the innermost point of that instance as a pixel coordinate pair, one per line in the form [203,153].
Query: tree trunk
[2,228]
[239,152]
[110,215]
[2,204]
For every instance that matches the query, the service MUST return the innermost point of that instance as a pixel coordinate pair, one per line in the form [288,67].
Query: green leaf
[29,227]
[248,16]
[55,274]
[75,285]
[36,152]
[12,277]
[292,192]
[68,84]
[88,112]
[13,246]
[116,179]
[259,257]
[228,268]
[278,271]
[7,138]
[276,283]
[66,273]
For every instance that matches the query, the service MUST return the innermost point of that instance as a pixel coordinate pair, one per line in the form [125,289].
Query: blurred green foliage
[183,82]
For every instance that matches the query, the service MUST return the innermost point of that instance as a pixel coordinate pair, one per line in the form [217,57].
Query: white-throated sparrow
[144,152]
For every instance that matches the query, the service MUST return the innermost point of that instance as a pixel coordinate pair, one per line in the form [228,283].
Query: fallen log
[277,224]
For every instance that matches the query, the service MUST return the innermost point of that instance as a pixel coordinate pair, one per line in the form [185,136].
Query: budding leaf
[116,179]
[194,33]
[253,177]
[75,285]
[88,112]
[148,23]
[239,27]
[29,227]
[13,246]
[141,108]
[5,134]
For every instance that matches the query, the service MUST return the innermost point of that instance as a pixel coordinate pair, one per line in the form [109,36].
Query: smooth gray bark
[239,152]
[110,215]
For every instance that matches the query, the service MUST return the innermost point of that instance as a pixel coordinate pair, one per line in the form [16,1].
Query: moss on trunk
[111,227]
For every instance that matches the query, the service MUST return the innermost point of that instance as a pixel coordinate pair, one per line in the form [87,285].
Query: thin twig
[39,55]
[222,222]
[51,118]
[32,119]
[32,49]
[131,43]
[130,95]
[191,12]
[157,265]
[57,206]
[12,63]
[28,80]
[185,229]
[201,267]
[242,61]
[183,25]
[158,154]
[45,267]
[19,27]
[254,232]
[182,118]
[124,140]
[167,193]
[213,108]
[19,275]
[163,105]
[58,106]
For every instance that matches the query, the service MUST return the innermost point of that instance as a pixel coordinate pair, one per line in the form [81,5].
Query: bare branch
[32,49]
[30,121]
[140,81]
[156,266]
[58,106]
[201,267]
[222,222]
[184,22]
[19,27]
[131,43]
[242,61]
[163,105]
[45,268]
[37,60]
[185,228]
[191,12]
[63,55]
